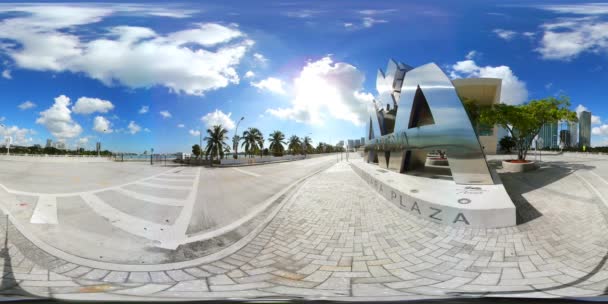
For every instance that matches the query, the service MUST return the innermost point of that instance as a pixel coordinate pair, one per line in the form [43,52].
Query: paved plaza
[331,236]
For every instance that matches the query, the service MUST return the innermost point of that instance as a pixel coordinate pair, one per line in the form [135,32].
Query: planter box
[518,167]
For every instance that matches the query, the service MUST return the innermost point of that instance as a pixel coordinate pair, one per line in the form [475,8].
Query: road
[134,213]
[335,238]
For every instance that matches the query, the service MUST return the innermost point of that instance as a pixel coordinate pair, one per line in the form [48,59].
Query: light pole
[235,139]
[99,143]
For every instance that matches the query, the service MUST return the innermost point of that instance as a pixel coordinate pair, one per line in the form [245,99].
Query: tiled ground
[338,238]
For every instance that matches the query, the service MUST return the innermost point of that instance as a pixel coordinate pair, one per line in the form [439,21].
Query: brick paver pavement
[337,238]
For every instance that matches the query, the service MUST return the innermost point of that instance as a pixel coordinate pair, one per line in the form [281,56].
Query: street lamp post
[235,139]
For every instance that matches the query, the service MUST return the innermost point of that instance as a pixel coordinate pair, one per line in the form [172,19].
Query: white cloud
[2,118]
[165,114]
[601,130]
[194,132]
[260,58]
[505,34]
[102,125]
[271,84]
[471,55]
[249,74]
[190,61]
[181,126]
[529,34]
[7,74]
[58,119]
[548,85]
[369,21]
[87,105]
[372,12]
[147,130]
[20,136]
[580,9]
[326,89]
[144,110]
[566,39]
[303,14]
[580,108]
[513,90]
[133,127]
[595,120]
[208,34]
[26,105]
[365,22]
[218,118]
[83,142]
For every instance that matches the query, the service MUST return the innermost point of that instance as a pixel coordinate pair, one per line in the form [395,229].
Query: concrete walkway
[336,238]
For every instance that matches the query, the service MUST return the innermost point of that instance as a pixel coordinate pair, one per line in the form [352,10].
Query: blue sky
[148,75]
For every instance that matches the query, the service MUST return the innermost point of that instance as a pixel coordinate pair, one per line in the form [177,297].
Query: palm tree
[294,144]
[253,141]
[215,142]
[276,143]
[308,144]
[321,147]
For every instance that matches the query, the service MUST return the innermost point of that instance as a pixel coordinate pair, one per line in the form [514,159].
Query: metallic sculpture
[417,111]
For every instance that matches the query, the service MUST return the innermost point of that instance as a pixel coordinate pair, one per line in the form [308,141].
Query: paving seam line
[158,267]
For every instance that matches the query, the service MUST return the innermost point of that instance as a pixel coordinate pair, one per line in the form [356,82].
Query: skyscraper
[573,127]
[584,129]
[548,133]
[564,137]
[49,143]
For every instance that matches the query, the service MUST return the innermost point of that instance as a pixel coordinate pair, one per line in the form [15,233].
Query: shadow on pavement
[518,184]
[9,287]
[573,283]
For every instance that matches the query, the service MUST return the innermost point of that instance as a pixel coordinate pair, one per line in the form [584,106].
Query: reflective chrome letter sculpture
[418,111]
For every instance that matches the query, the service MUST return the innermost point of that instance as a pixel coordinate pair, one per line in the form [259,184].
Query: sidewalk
[336,238]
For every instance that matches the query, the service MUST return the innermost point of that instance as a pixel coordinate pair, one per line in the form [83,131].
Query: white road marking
[246,172]
[183,220]
[126,222]
[601,178]
[165,179]
[151,198]
[160,186]
[45,211]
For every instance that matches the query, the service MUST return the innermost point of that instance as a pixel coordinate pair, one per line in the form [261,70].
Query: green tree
[507,143]
[320,147]
[215,138]
[276,143]
[196,150]
[253,141]
[294,145]
[524,121]
[308,144]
